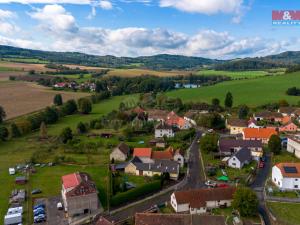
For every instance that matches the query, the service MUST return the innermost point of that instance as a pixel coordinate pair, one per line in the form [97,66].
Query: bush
[84,106]
[130,195]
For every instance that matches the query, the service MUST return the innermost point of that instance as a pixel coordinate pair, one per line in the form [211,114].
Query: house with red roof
[261,134]
[176,121]
[288,127]
[169,154]
[79,194]
[143,154]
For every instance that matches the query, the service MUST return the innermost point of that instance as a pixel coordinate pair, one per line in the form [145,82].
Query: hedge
[132,194]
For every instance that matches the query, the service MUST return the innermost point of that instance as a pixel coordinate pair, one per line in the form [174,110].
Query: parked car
[222,185]
[261,164]
[263,159]
[36,191]
[39,206]
[59,206]
[39,219]
[210,183]
[38,211]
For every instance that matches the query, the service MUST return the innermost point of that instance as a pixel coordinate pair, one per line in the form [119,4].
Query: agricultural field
[48,179]
[252,92]
[19,98]
[140,72]
[25,60]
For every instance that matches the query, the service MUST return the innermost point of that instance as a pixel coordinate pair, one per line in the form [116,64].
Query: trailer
[13,219]
[15,210]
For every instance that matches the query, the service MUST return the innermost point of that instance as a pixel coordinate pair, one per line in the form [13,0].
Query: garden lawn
[288,213]
[284,157]
[253,92]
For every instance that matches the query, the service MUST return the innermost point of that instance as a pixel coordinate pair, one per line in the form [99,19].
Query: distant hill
[157,62]
[285,59]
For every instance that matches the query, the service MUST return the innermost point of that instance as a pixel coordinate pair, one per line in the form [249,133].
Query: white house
[241,158]
[293,145]
[201,200]
[120,153]
[286,176]
[164,130]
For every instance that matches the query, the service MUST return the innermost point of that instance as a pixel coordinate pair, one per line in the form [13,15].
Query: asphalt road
[194,179]
[258,186]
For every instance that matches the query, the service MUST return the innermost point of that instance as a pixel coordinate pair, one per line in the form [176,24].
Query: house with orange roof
[143,153]
[79,194]
[286,176]
[261,134]
[176,121]
[169,154]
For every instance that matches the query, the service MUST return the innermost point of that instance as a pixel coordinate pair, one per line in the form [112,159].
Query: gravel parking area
[54,216]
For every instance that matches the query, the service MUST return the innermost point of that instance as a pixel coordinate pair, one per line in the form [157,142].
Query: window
[296,179]
[295,186]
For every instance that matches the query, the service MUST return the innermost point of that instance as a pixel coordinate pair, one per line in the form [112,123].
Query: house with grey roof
[227,147]
[156,167]
[241,158]
[120,153]
[164,130]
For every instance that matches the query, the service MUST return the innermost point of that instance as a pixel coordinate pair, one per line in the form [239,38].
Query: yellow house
[236,126]
[157,167]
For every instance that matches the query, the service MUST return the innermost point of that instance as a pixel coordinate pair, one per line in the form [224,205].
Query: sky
[221,29]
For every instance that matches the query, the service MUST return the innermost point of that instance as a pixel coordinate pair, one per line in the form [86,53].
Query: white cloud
[77,2]
[55,18]
[7,25]
[204,6]
[105,5]
[5,14]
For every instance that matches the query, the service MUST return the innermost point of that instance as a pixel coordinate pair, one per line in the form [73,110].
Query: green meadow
[48,179]
[253,92]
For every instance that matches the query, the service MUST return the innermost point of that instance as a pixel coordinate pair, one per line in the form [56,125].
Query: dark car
[261,164]
[36,191]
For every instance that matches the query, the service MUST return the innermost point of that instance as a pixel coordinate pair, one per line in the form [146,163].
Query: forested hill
[157,62]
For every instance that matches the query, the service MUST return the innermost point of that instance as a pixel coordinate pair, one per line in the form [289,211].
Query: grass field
[252,92]
[19,98]
[287,213]
[240,74]
[49,178]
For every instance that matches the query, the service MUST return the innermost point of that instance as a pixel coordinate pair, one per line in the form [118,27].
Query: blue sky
[208,28]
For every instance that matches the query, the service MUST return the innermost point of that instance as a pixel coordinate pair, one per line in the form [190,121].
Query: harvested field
[5,75]
[139,72]
[24,66]
[19,98]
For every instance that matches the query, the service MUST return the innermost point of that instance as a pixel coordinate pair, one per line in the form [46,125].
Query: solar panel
[290,169]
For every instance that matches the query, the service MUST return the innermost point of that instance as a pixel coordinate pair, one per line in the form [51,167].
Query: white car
[59,206]
[210,183]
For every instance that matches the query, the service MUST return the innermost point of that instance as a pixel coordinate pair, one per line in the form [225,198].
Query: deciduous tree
[245,201]
[84,106]
[58,100]
[228,100]
[275,144]
[2,114]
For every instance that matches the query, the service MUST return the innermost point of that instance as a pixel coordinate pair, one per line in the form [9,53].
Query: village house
[252,123]
[143,154]
[164,130]
[120,153]
[201,200]
[191,115]
[268,116]
[227,147]
[288,127]
[157,115]
[293,145]
[158,167]
[261,134]
[176,121]
[169,154]
[239,159]
[236,126]
[286,176]
[177,219]
[79,194]
[158,142]
[288,111]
